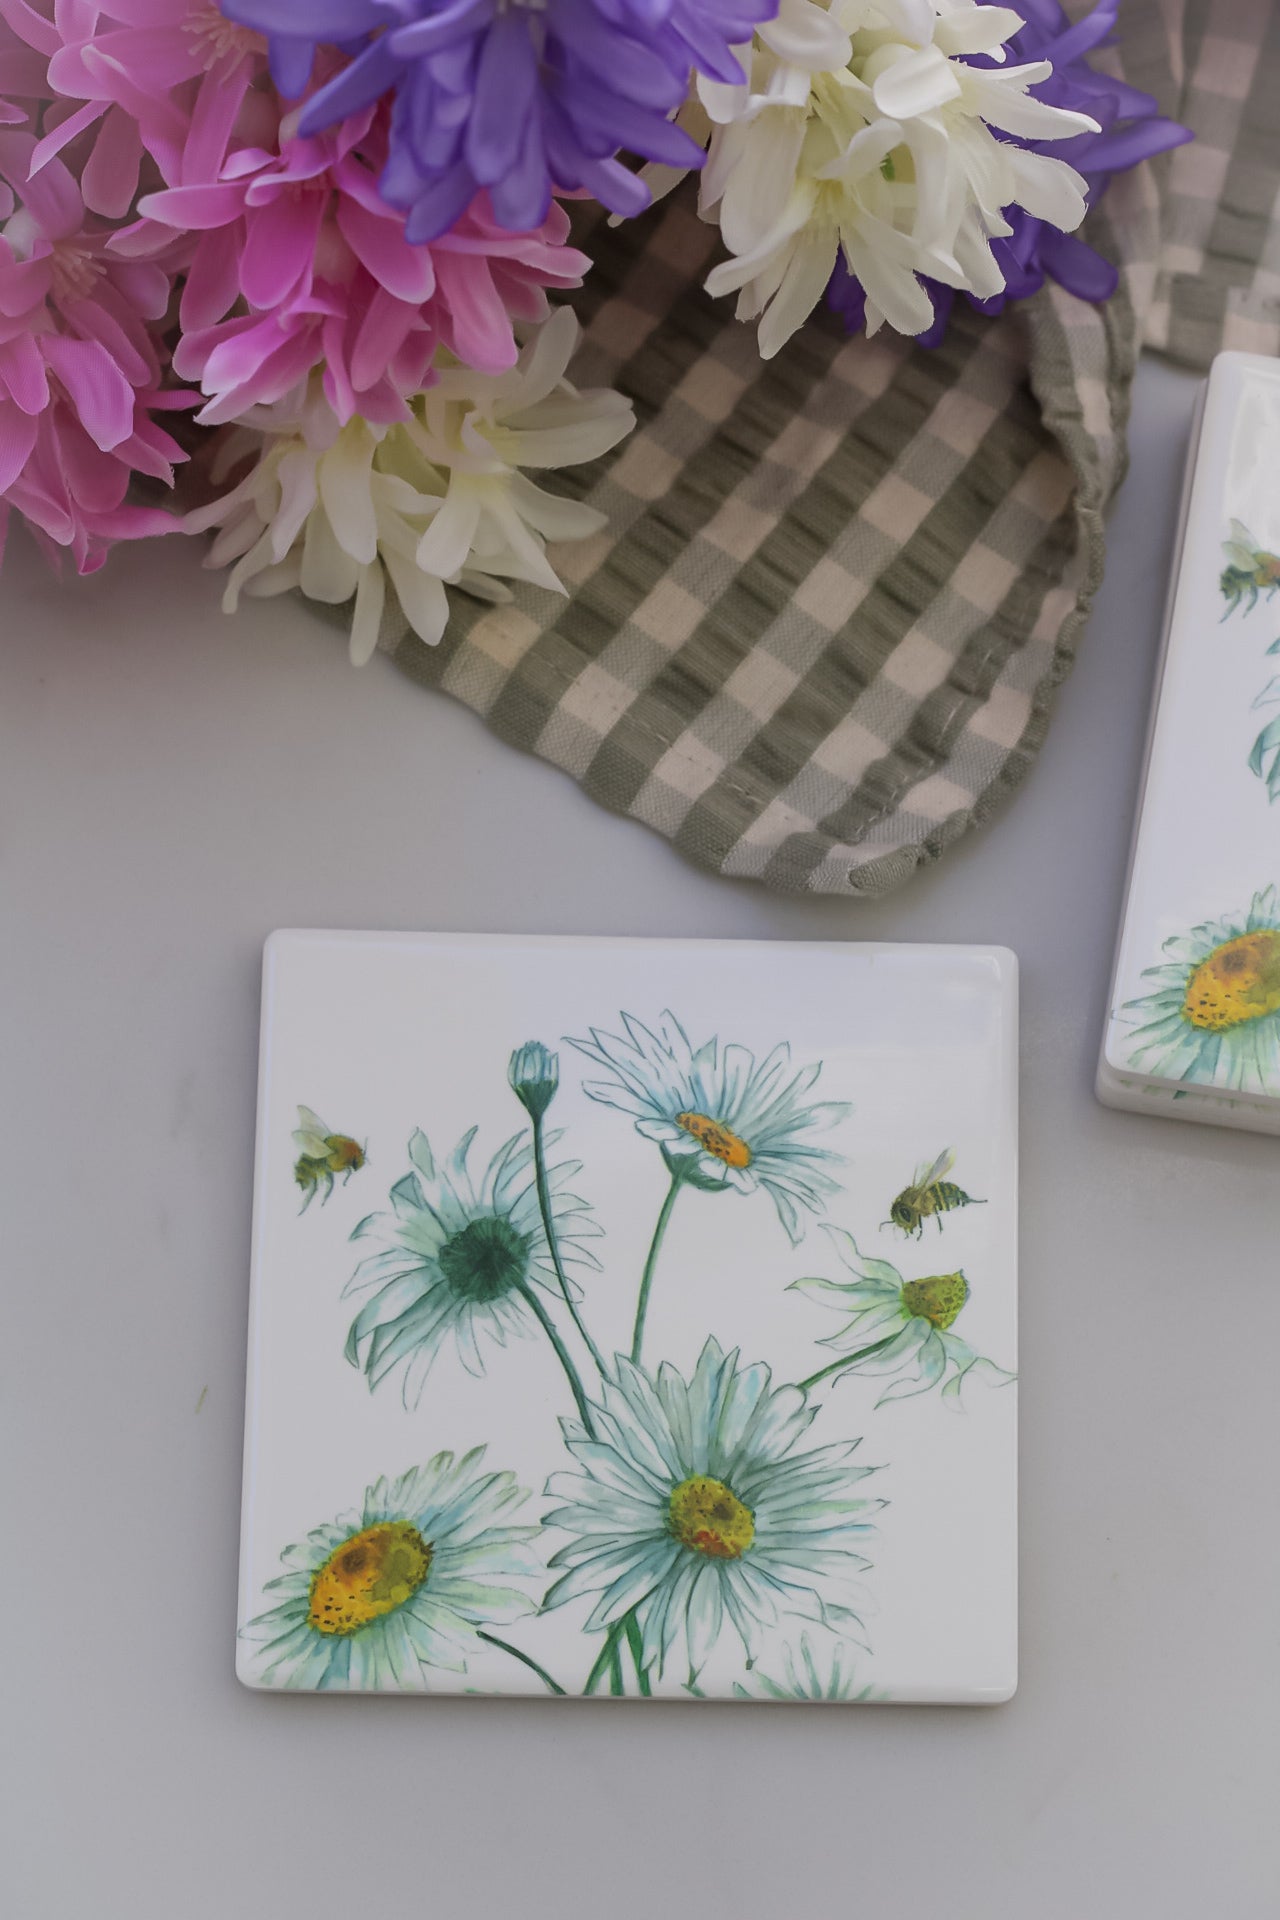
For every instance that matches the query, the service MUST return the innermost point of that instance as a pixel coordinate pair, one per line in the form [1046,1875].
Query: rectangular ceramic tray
[1193,1027]
[741,1426]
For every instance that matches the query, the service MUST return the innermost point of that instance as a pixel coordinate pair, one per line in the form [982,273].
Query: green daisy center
[371,1574]
[484,1259]
[704,1514]
[937,1299]
[1239,982]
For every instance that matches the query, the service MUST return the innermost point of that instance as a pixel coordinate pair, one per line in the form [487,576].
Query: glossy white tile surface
[1194,1024]
[795,1091]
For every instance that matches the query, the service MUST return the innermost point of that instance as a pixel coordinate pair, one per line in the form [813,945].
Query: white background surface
[172,786]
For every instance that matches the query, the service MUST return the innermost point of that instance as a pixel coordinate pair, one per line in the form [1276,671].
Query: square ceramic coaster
[633,1317]
[1194,1023]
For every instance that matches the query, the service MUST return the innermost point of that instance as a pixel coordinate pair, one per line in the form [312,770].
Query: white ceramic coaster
[1194,1022]
[633,1317]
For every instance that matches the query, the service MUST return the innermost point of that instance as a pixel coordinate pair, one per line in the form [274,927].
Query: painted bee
[929,1197]
[323,1155]
[1252,570]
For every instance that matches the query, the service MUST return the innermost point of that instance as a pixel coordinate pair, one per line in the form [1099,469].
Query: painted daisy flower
[378,1598]
[898,1329]
[722,1118]
[693,1506]
[816,1670]
[1213,1012]
[459,1260]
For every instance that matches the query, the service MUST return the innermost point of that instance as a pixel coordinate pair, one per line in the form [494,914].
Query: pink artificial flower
[24,90]
[300,241]
[168,78]
[79,370]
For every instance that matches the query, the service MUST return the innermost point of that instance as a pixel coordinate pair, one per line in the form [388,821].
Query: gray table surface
[172,786]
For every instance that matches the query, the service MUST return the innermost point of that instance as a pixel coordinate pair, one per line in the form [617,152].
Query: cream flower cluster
[439,499]
[863,129]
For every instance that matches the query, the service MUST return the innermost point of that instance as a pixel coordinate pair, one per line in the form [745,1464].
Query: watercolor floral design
[697,1511]
[407,1584]
[819,1669]
[899,1330]
[1250,573]
[1212,1014]
[460,1261]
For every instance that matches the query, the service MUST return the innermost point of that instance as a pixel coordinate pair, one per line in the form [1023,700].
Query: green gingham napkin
[822,634]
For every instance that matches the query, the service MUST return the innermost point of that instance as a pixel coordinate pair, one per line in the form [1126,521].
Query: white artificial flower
[338,510]
[875,140]
[480,430]
[722,1118]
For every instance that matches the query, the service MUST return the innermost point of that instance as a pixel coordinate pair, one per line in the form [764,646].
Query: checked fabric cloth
[821,636]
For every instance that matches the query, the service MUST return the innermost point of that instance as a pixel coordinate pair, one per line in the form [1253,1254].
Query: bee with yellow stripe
[1251,570]
[929,1196]
[323,1155]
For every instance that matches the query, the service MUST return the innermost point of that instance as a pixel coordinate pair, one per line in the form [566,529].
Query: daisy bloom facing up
[723,1121]
[1213,1012]
[821,1668]
[694,1509]
[378,1598]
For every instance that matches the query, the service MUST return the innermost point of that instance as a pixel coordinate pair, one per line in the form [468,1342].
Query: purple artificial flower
[520,99]
[1131,129]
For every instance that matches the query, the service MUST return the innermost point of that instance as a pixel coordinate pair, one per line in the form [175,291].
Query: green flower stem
[845,1360]
[506,1647]
[562,1353]
[646,1281]
[631,1627]
[604,1658]
[549,1228]
[615,1671]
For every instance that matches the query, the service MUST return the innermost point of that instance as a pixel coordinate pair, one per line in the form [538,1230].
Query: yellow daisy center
[369,1575]
[716,1139]
[1239,982]
[703,1514]
[937,1299]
